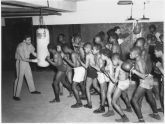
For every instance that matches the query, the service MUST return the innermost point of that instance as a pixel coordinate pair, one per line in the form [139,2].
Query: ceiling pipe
[44,8]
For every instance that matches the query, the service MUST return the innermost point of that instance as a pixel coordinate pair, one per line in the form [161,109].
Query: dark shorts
[91,73]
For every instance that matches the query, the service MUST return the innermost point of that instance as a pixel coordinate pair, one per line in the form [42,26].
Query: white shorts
[102,78]
[123,85]
[147,83]
[79,74]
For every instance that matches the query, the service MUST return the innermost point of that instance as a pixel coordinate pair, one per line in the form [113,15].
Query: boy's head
[61,38]
[117,30]
[96,48]
[66,49]
[77,39]
[102,35]
[140,42]
[161,37]
[59,49]
[87,47]
[113,38]
[105,53]
[135,52]
[97,39]
[152,28]
[158,50]
[115,59]
[51,48]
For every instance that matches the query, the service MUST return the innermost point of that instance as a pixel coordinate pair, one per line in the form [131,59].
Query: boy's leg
[116,97]
[152,102]
[125,98]
[110,91]
[83,90]
[138,94]
[162,95]
[95,85]
[61,88]
[103,90]
[88,86]
[56,86]
[77,97]
[65,82]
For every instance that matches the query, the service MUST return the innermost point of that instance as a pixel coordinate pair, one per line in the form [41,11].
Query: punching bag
[137,28]
[42,43]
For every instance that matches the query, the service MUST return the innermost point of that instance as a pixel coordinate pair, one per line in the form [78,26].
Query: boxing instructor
[23,51]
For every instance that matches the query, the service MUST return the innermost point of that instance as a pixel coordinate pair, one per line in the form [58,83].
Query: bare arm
[73,62]
[160,67]
[86,64]
[141,72]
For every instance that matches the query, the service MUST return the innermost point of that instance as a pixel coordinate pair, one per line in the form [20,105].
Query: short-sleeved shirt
[23,51]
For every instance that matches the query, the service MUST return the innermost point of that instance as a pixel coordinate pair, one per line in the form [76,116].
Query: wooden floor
[36,108]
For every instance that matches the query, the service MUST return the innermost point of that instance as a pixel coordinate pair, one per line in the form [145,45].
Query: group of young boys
[102,66]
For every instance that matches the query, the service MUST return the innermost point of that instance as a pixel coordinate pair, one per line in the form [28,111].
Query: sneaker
[124,119]
[99,110]
[128,109]
[54,100]
[16,98]
[109,113]
[77,105]
[141,121]
[155,116]
[88,106]
[35,92]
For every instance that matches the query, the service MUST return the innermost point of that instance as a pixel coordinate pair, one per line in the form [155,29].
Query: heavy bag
[42,43]
[137,28]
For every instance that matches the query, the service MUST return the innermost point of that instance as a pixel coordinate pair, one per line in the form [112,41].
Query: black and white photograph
[82,61]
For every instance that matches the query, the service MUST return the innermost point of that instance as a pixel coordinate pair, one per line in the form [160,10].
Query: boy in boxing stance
[123,84]
[159,65]
[79,73]
[91,73]
[145,87]
[57,61]
[102,78]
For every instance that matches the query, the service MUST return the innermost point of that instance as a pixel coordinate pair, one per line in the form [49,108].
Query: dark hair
[137,49]
[87,44]
[161,36]
[51,46]
[115,28]
[116,56]
[114,36]
[61,34]
[102,35]
[159,47]
[106,52]
[26,36]
[110,31]
[76,35]
[152,26]
[142,39]
[98,46]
